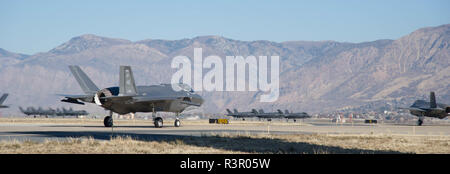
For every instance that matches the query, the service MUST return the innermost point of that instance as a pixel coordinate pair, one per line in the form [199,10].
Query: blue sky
[38,26]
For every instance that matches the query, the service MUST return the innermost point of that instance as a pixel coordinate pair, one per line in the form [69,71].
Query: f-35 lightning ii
[129,98]
[294,116]
[269,116]
[52,112]
[2,99]
[242,115]
[422,109]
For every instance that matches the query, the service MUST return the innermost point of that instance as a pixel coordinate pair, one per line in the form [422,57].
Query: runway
[48,129]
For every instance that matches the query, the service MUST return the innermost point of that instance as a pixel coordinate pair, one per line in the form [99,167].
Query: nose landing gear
[177,123]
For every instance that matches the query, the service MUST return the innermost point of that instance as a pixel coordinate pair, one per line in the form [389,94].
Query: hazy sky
[38,26]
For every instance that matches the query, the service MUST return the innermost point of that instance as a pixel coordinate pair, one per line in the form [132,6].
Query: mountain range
[315,76]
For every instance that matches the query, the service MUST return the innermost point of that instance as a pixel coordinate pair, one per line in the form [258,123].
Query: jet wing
[137,99]
[160,99]
[153,98]
[150,99]
[191,103]
[117,98]
[74,98]
[414,109]
[126,99]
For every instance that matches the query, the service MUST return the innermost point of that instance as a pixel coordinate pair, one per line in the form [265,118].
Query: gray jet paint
[294,116]
[129,98]
[2,99]
[52,112]
[242,115]
[422,108]
[268,115]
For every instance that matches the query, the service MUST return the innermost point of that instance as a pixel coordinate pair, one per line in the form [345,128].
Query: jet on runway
[269,116]
[422,109]
[129,98]
[51,112]
[242,115]
[2,99]
[294,116]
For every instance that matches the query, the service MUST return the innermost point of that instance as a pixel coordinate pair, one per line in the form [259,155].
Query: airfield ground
[311,136]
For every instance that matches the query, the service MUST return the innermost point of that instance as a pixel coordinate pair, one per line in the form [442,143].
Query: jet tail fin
[3,98]
[261,111]
[254,111]
[235,111]
[432,100]
[229,112]
[83,80]
[279,111]
[127,85]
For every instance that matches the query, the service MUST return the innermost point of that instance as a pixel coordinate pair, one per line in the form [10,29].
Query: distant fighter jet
[294,116]
[51,112]
[27,112]
[71,112]
[129,98]
[422,109]
[269,116]
[2,99]
[35,112]
[242,115]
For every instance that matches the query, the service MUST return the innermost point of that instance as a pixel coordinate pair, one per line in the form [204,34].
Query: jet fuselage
[157,91]
[424,109]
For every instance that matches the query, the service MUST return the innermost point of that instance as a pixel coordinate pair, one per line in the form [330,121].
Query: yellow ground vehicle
[219,121]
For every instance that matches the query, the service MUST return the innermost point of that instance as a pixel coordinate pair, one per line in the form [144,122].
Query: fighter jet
[129,98]
[269,115]
[26,112]
[2,99]
[242,115]
[294,116]
[32,111]
[422,109]
[51,112]
[71,112]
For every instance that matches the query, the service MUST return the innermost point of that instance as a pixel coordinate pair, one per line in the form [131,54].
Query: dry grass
[224,142]
[118,145]
[335,143]
[233,143]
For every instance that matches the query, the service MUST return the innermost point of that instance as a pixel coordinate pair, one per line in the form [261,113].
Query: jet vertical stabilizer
[127,85]
[432,100]
[83,80]
[3,98]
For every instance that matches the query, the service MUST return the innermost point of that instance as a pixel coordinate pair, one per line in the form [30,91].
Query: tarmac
[60,129]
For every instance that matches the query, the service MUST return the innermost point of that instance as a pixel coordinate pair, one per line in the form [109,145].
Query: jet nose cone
[197,99]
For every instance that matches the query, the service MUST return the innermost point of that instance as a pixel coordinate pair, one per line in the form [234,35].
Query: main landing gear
[158,121]
[108,121]
[420,121]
